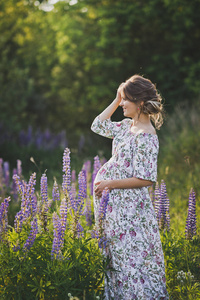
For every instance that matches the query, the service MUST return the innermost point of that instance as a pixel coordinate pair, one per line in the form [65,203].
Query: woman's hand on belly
[102,185]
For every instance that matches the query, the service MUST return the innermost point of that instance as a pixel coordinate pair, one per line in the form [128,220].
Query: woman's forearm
[127,183]
[107,113]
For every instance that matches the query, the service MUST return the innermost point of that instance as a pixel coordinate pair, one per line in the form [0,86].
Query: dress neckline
[142,133]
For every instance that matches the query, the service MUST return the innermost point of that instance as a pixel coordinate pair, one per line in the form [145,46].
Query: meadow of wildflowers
[53,250]
[40,139]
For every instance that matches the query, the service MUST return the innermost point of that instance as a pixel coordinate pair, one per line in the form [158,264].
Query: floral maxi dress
[130,225]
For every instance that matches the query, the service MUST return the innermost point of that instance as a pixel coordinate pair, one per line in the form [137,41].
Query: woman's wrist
[112,184]
[117,101]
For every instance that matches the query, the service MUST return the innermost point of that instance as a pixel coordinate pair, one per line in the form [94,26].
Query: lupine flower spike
[163,213]
[66,185]
[190,229]
[96,167]
[44,200]
[57,240]
[63,219]
[99,232]
[4,217]
[82,194]
[68,191]
[156,202]
[78,209]
[55,192]
[31,238]
[28,200]
[88,211]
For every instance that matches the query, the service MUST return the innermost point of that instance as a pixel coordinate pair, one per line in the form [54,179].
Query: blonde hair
[139,89]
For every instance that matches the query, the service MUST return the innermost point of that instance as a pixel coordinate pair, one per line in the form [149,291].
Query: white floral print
[130,227]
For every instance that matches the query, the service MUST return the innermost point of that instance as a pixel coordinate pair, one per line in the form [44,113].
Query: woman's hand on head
[100,186]
[119,95]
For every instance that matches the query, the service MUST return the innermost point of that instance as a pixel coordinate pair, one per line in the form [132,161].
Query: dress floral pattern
[130,226]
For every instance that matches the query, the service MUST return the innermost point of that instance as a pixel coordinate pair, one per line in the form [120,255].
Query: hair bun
[152,106]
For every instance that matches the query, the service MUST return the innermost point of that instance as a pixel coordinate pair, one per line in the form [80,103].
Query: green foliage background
[60,68]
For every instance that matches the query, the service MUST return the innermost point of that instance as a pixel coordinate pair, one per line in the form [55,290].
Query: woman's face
[130,109]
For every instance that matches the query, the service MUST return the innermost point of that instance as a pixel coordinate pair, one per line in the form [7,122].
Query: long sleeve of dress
[107,128]
[145,157]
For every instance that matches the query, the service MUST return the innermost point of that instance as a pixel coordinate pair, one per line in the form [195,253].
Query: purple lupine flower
[87,166]
[18,221]
[4,217]
[16,248]
[96,167]
[19,185]
[28,205]
[95,234]
[167,214]
[44,205]
[19,168]
[72,198]
[102,241]
[6,173]
[88,212]
[79,230]
[26,192]
[63,218]
[44,192]
[163,210]
[82,193]
[66,185]
[73,195]
[57,242]
[101,216]
[156,201]
[190,229]
[32,200]
[55,192]
[79,202]
[31,238]
[103,205]
[45,140]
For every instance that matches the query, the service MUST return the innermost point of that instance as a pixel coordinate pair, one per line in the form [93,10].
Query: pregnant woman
[130,226]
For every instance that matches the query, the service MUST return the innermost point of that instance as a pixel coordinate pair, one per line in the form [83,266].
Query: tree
[61,68]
